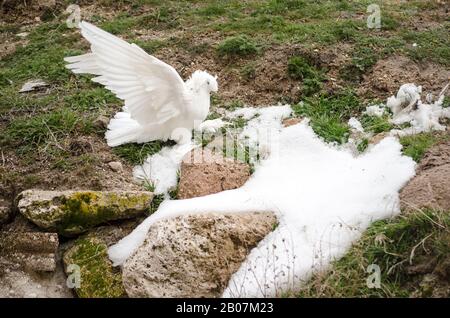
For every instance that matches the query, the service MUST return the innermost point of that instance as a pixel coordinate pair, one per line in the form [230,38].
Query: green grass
[376,124]
[150,46]
[446,102]
[415,146]
[163,19]
[90,99]
[42,57]
[300,69]
[393,245]
[156,202]
[362,145]
[432,45]
[237,46]
[213,9]
[136,153]
[121,24]
[26,133]
[329,114]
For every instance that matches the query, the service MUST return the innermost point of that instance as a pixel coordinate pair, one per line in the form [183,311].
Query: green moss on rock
[73,212]
[98,278]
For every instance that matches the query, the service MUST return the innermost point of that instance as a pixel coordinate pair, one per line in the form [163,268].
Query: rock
[20,224]
[33,250]
[291,121]
[17,283]
[203,173]
[115,166]
[193,255]
[429,189]
[30,262]
[74,212]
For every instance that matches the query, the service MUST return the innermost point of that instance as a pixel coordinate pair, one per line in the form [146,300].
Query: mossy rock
[98,278]
[73,212]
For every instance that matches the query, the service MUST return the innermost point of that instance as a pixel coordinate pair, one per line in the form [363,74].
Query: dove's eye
[207,82]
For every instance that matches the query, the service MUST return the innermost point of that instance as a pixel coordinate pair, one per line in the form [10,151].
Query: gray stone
[194,255]
[34,251]
[115,166]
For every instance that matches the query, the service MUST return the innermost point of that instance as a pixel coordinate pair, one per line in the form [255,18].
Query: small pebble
[115,166]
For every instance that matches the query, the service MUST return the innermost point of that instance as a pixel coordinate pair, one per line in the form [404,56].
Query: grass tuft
[136,154]
[300,69]
[237,46]
[329,114]
[415,146]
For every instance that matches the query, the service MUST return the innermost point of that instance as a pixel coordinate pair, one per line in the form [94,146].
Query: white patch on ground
[160,169]
[32,85]
[355,125]
[211,126]
[261,132]
[323,195]
[375,110]
[245,112]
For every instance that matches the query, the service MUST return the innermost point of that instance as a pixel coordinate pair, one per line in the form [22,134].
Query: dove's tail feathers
[122,129]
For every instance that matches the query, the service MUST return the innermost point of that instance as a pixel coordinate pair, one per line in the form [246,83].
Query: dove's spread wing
[152,90]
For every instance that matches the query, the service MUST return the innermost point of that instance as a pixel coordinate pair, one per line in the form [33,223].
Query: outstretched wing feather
[152,90]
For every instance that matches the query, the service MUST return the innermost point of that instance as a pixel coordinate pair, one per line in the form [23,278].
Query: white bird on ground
[159,105]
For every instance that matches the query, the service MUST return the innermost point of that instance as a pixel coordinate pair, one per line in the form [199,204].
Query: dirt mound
[257,81]
[389,74]
[436,156]
[431,187]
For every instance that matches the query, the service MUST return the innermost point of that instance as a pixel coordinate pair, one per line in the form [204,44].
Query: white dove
[159,105]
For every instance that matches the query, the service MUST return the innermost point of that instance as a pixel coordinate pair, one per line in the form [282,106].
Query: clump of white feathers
[407,107]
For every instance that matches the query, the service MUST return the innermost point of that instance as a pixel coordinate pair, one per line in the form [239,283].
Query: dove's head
[205,80]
